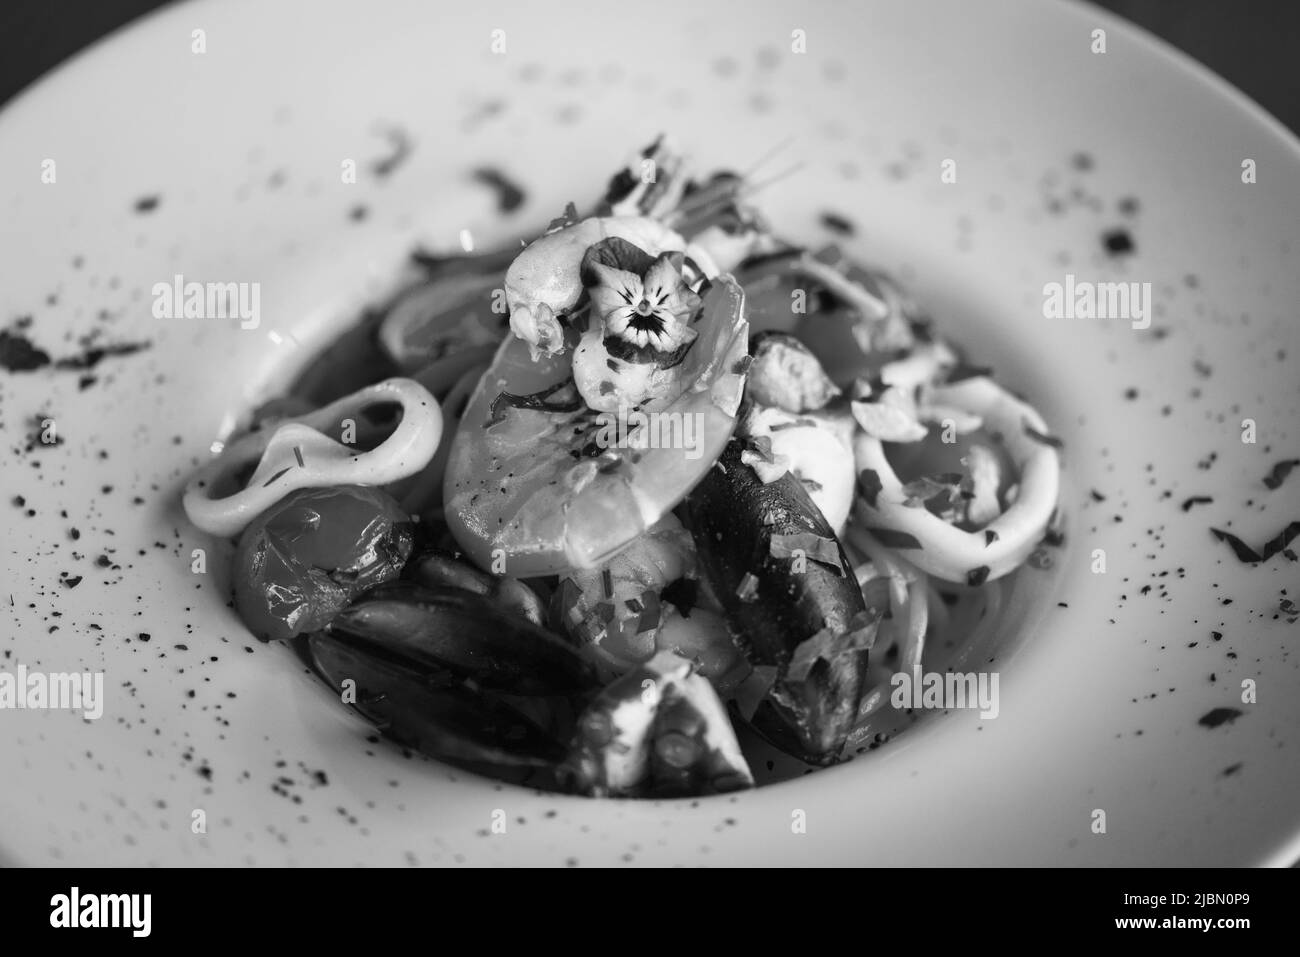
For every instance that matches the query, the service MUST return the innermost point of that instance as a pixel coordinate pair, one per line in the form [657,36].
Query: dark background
[1254,44]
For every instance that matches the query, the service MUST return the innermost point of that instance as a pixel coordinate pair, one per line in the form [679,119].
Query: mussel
[433,568]
[432,710]
[791,597]
[658,730]
[466,634]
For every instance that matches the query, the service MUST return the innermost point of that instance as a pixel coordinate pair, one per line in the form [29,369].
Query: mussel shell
[467,634]
[733,517]
[659,730]
[434,568]
[683,761]
[434,713]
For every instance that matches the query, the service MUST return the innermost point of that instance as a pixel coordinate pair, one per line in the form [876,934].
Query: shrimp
[544,282]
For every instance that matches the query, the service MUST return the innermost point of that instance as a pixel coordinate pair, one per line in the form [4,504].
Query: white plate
[243,146]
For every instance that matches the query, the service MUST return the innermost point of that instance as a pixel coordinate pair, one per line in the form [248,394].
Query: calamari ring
[298,455]
[945,550]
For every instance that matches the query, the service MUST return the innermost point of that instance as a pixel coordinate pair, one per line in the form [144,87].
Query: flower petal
[616,252]
[617,319]
[667,290]
[616,289]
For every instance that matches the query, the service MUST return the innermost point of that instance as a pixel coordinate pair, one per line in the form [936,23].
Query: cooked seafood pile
[608,506]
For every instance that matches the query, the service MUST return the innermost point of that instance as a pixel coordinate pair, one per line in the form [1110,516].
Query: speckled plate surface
[225,166]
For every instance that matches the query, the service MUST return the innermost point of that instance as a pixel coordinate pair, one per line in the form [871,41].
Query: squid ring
[1003,544]
[298,455]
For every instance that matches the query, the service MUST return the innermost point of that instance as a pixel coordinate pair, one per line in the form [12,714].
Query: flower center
[644,308]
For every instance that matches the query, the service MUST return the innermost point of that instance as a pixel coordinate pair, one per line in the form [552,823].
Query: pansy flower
[642,301]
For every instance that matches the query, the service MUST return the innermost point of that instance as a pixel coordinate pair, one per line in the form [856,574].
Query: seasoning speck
[1118,242]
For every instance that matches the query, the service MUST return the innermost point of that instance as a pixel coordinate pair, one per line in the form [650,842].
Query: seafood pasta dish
[623,507]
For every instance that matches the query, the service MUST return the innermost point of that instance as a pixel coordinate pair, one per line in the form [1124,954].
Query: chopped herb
[536,401]
[754,690]
[927,487]
[620,186]
[796,424]
[1039,437]
[401,146]
[990,536]
[649,619]
[569,598]
[825,551]
[607,583]
[1196,500]
[509,196]
[17,354]
[747,590]
[1280,471]
[869,479]
[830,255]
[1218,716]
[1243,551]
[684,594]
[1281,540]
[962,372]
[892,538]
[977,576]
[569,217]
[275,476]
[838,224]
[830,644]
